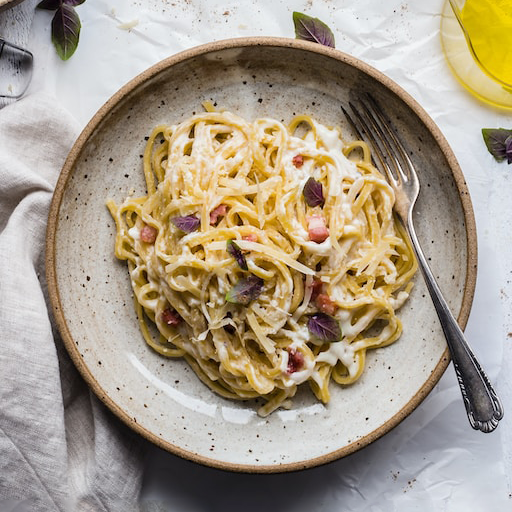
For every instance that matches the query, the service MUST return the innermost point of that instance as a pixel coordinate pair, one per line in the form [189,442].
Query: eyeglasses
[15,70]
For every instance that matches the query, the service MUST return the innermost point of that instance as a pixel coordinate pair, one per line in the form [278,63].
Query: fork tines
[369,122]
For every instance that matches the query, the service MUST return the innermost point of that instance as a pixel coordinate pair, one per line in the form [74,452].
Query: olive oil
[476,37]
[488,24]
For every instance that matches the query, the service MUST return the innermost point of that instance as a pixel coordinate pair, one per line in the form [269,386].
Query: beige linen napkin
[60,448]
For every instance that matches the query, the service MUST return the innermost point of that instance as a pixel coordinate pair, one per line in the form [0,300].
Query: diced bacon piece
[170,317]
[217,212]
[295,361]
[252,237]
[298,161]
[317,228]
[325,304]
[316,288]
[148,234]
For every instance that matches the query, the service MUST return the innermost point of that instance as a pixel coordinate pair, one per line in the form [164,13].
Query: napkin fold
[60,448]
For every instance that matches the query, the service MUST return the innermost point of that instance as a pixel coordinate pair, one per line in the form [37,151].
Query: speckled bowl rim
[74,154]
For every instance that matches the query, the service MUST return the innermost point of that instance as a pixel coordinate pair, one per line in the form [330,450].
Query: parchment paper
[433,460]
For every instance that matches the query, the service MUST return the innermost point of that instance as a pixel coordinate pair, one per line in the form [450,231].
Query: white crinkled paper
[433,460]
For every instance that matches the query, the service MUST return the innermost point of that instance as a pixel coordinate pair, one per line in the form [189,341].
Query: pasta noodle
[266,255]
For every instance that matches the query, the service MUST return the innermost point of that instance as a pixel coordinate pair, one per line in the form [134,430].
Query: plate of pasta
[225,267]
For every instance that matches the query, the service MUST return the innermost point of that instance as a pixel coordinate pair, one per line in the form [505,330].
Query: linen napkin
[60,448]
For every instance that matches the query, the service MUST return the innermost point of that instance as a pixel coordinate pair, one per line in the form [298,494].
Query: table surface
[432,460]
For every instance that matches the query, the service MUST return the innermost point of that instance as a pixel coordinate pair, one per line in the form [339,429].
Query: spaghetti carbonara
[266,255]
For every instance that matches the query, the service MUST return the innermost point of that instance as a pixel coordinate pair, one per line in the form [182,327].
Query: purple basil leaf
[235,251]
[325,327]
[49,5]
[53,5]
[312,29]
[313,193]
[65,31]
[499,143]
[245,290]
[187,224]
[508,149]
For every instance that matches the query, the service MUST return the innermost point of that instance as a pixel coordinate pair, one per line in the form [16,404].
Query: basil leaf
[235,251]
[499,143]
[508,149]
[188,223]
[49,5]
[53,5]
[313,193]
[245,290]
[312,29]
[65,31]
[325,327]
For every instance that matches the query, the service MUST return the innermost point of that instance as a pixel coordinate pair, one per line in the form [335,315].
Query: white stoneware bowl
[91,297]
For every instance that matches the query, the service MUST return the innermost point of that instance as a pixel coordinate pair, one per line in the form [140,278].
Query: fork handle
[483,406]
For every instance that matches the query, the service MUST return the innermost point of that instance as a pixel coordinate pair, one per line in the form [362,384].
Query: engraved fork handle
[482,404]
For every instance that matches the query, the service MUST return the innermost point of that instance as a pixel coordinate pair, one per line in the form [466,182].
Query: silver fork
[482,404]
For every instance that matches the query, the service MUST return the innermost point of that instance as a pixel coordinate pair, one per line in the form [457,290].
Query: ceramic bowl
[162,399]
